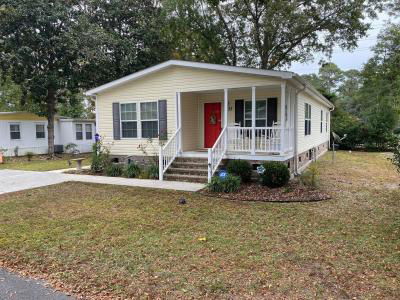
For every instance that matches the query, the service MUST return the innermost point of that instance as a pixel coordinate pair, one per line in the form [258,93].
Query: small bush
[29,155]
[100,157]
[229,184]
[153,171]
[114,170]
[310,176]
[241,168]
[276,174]
[132,170]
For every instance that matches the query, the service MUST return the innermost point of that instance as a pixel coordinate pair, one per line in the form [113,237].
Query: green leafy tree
[40,51]
[267,34]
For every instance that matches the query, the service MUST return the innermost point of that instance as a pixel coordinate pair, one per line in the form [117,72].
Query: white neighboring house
[28,132]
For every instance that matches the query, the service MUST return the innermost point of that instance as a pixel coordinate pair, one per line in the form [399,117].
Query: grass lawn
[112,241]
[41,163]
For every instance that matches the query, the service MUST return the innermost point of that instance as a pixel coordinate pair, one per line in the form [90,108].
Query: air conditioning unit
[58,148]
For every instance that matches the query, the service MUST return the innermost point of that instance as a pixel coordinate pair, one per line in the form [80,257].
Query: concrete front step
[188,171]
[191,160]
[189,165]
[186,178]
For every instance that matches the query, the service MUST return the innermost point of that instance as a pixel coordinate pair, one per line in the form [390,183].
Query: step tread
[185,176]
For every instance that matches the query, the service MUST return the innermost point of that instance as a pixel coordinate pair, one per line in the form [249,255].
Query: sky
[348,60]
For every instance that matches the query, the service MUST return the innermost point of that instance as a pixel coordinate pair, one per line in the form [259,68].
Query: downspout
[296,125]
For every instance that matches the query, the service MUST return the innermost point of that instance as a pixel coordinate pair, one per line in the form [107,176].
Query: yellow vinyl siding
[163,85]
[22,116]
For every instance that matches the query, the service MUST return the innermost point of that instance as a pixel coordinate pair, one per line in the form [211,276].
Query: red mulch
[293,192]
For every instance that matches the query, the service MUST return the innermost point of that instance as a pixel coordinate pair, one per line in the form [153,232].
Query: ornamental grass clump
[228,184]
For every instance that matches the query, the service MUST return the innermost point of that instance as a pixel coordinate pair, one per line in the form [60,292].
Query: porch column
[283,105]
[225,107]
[179,120]
[253,120]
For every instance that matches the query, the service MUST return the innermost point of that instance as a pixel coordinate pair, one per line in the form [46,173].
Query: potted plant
[2,150]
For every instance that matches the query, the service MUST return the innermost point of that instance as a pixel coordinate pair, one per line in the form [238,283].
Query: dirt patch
[293,192]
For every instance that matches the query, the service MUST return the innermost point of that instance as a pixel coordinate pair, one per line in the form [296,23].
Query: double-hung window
[322,120]
[149,119]
[129,122]
[326,121]
[40,131]
[15,132]
[307,119]
[261,113]
[88,131]
[78,132]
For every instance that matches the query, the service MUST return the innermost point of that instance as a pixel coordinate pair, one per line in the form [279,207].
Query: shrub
[241,168]
[114,170]
[132,170]
[310,176]
[100,157]
[71,148]
[29,155]
[229,184]
[276,174]
[153,171]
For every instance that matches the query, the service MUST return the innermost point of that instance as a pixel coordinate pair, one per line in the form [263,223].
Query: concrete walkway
[16,180]
[14,287]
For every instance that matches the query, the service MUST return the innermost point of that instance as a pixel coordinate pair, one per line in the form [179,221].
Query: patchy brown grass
[110,241]
[43,163]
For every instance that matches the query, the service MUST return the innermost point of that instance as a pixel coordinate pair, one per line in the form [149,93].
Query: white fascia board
[137,75]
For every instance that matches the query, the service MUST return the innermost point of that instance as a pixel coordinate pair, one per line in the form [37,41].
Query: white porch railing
[217,152]
[267,139]
[168,153]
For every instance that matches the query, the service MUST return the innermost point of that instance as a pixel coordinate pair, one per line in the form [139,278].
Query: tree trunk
[51,111]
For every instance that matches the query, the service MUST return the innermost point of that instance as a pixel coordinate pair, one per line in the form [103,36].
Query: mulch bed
[293,192]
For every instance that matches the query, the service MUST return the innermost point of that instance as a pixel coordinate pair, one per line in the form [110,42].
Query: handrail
[217,152]
[168,153]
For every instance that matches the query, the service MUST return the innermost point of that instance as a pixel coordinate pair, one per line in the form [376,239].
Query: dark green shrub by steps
[132,170]
[276,174]
[241,168]
[114,170]
[229,184]
[153,171]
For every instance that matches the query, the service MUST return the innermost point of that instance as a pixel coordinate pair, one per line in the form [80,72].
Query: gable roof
[207,66]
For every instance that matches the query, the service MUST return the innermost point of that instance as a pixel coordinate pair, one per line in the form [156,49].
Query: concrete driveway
[15,180]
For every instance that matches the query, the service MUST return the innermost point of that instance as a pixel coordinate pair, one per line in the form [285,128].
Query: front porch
[251,123]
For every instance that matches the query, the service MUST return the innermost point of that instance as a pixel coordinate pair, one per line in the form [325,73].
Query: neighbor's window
[149,119]
[15,132]
[78,132]
[88,131]
[307,119]
[261,113]
[129,120]
[40,131]
[322,120]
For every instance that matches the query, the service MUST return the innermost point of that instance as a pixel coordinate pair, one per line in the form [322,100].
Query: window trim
[138,119]
[149,120]
[44,127]
[307,106]
[91,131]
[76,124]
[20,131]
[322,121]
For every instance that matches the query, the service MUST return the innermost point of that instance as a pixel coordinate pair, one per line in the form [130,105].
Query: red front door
[212,123]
